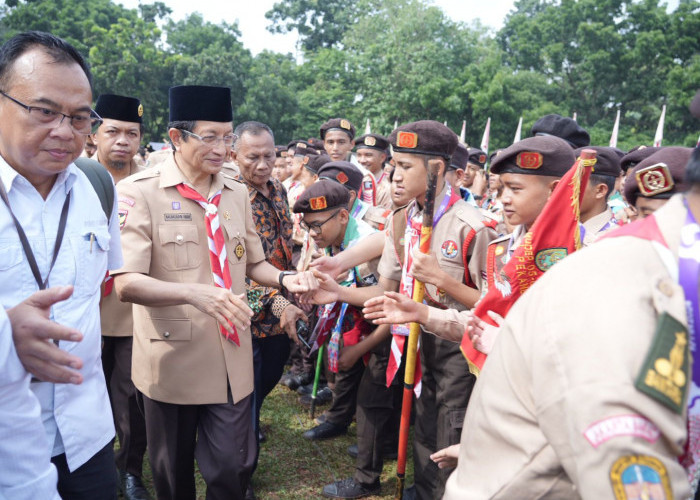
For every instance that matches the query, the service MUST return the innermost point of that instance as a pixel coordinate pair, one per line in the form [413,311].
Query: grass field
[293,468]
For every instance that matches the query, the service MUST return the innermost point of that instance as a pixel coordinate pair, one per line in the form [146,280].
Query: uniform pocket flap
[169,329]
[178,234]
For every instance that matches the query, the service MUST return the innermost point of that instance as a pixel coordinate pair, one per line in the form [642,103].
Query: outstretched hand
[394,308]
[447,457]
[483,334]
[326,292]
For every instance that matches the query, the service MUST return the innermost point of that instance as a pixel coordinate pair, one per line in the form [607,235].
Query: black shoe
[323,396]
[250,493]
[261,436]
[409,493]
[306,389]
[388,453]
[320,419]
[132,487]
[291,381]
[349,488]
[325,431]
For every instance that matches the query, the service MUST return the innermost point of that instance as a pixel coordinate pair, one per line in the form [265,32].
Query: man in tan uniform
[372,154]
[192,355]
[117,142]
[595,408]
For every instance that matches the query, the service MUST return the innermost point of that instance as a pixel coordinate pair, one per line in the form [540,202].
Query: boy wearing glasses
[324,206]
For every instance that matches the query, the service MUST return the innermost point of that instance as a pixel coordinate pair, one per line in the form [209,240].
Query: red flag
[553,236]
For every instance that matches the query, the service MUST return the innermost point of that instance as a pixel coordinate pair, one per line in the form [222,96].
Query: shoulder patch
[640,476]
[621,425]
[666,368]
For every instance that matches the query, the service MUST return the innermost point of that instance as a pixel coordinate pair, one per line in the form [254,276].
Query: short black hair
[252,128]
[186,125]
[61,51]
[608,180]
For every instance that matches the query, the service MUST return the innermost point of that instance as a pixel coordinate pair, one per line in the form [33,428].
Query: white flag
[463,133]
[368,130]
[485,138]
[616,128]
[518,131]
[660,128]
[574,116]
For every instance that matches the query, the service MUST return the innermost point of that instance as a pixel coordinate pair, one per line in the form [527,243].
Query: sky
[252,22]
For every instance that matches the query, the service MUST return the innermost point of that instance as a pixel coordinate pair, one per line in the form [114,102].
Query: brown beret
[692,170]
[477,157]
[372,141]
[321,197]
[316,144]
[425,137]
[338,124]
[459,158]
[281,151]
[658,176]
[635,155]
[563,127]
[293,144]
[342,172]
[303,149]
[607,161]
[316,162]
[541,155]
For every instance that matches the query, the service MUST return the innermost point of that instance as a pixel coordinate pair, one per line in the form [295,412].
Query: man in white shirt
[54,232]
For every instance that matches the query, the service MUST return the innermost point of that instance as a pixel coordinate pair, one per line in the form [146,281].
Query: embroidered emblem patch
[370,141]
[640,476]
[177,217]
[545,259]
[449,249]
[345,124]
[342,177]
[128,201]
[318,203]
[500,250]
[368,184]
[140,110]
[176,205]
[529,160]
[654,179]
[407,140]
[239,251]
[227,215]
[621,425]
[482,158]
[122,217]
[666,369]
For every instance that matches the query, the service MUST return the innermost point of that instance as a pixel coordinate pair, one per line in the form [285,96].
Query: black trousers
[128,417]
[96,479]
[219,436]
[344,403]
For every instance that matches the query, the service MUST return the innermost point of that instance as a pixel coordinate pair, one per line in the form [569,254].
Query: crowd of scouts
[242,258]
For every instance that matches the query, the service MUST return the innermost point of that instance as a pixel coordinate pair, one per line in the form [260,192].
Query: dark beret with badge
[341,124]
[281,151]
[342,172]
[541,155]
[200,103]
[635,155]
[316,144]
[658,176]
[372,141]
[563,127]
[119,107]
[293,144]
[316,162]
[303,149]
[607,161]
[459,158]
[477,157]
[425,137]
[321,197]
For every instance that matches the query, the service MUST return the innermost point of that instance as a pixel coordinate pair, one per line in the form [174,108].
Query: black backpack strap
[101,182]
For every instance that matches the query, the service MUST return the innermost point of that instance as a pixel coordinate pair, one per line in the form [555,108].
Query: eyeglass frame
[95,119]
[318,227]
[219,140]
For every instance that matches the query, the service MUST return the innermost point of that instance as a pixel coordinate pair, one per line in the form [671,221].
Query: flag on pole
[368,129]
[445,123]
[518,131]
[616,128]
[574,118]
[553,236]
[659,137]
[396,124]
[463,133]
[485,138]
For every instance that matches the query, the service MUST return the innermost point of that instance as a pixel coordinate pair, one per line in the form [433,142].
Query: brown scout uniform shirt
[116,316]
[554,408]
[180,356]
[594,225]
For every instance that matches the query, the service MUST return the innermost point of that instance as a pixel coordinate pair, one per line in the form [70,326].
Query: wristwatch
[283,274]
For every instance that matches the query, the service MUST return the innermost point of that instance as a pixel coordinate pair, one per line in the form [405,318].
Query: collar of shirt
[10,177]
[171,175]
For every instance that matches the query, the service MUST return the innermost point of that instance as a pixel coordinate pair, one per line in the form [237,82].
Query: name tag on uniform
[177,217]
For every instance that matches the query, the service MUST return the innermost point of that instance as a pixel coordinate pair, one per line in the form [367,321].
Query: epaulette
[500,239]
[466,213]
[148,173]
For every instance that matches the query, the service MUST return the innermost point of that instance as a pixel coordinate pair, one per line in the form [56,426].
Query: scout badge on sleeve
[640,476]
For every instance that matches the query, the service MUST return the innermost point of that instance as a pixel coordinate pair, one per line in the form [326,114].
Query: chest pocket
[90,251]
[180,248]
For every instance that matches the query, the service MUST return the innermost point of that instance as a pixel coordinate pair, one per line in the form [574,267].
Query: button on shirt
[27,472]
[77,418]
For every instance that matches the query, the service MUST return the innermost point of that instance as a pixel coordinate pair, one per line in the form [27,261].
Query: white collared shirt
[77,419]
[25,454]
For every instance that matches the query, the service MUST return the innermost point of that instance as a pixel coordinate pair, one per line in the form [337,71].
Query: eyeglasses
[82,123]
[213,140]
[317,227]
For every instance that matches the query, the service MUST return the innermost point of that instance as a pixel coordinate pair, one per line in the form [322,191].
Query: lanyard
[688,274]
[25,243]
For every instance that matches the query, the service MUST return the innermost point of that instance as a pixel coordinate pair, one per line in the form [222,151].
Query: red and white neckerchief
[217,247]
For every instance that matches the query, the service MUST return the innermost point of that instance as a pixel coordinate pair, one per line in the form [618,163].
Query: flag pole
[414,333]
[518,131]
[659,136]
[317,376]
[616,128]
